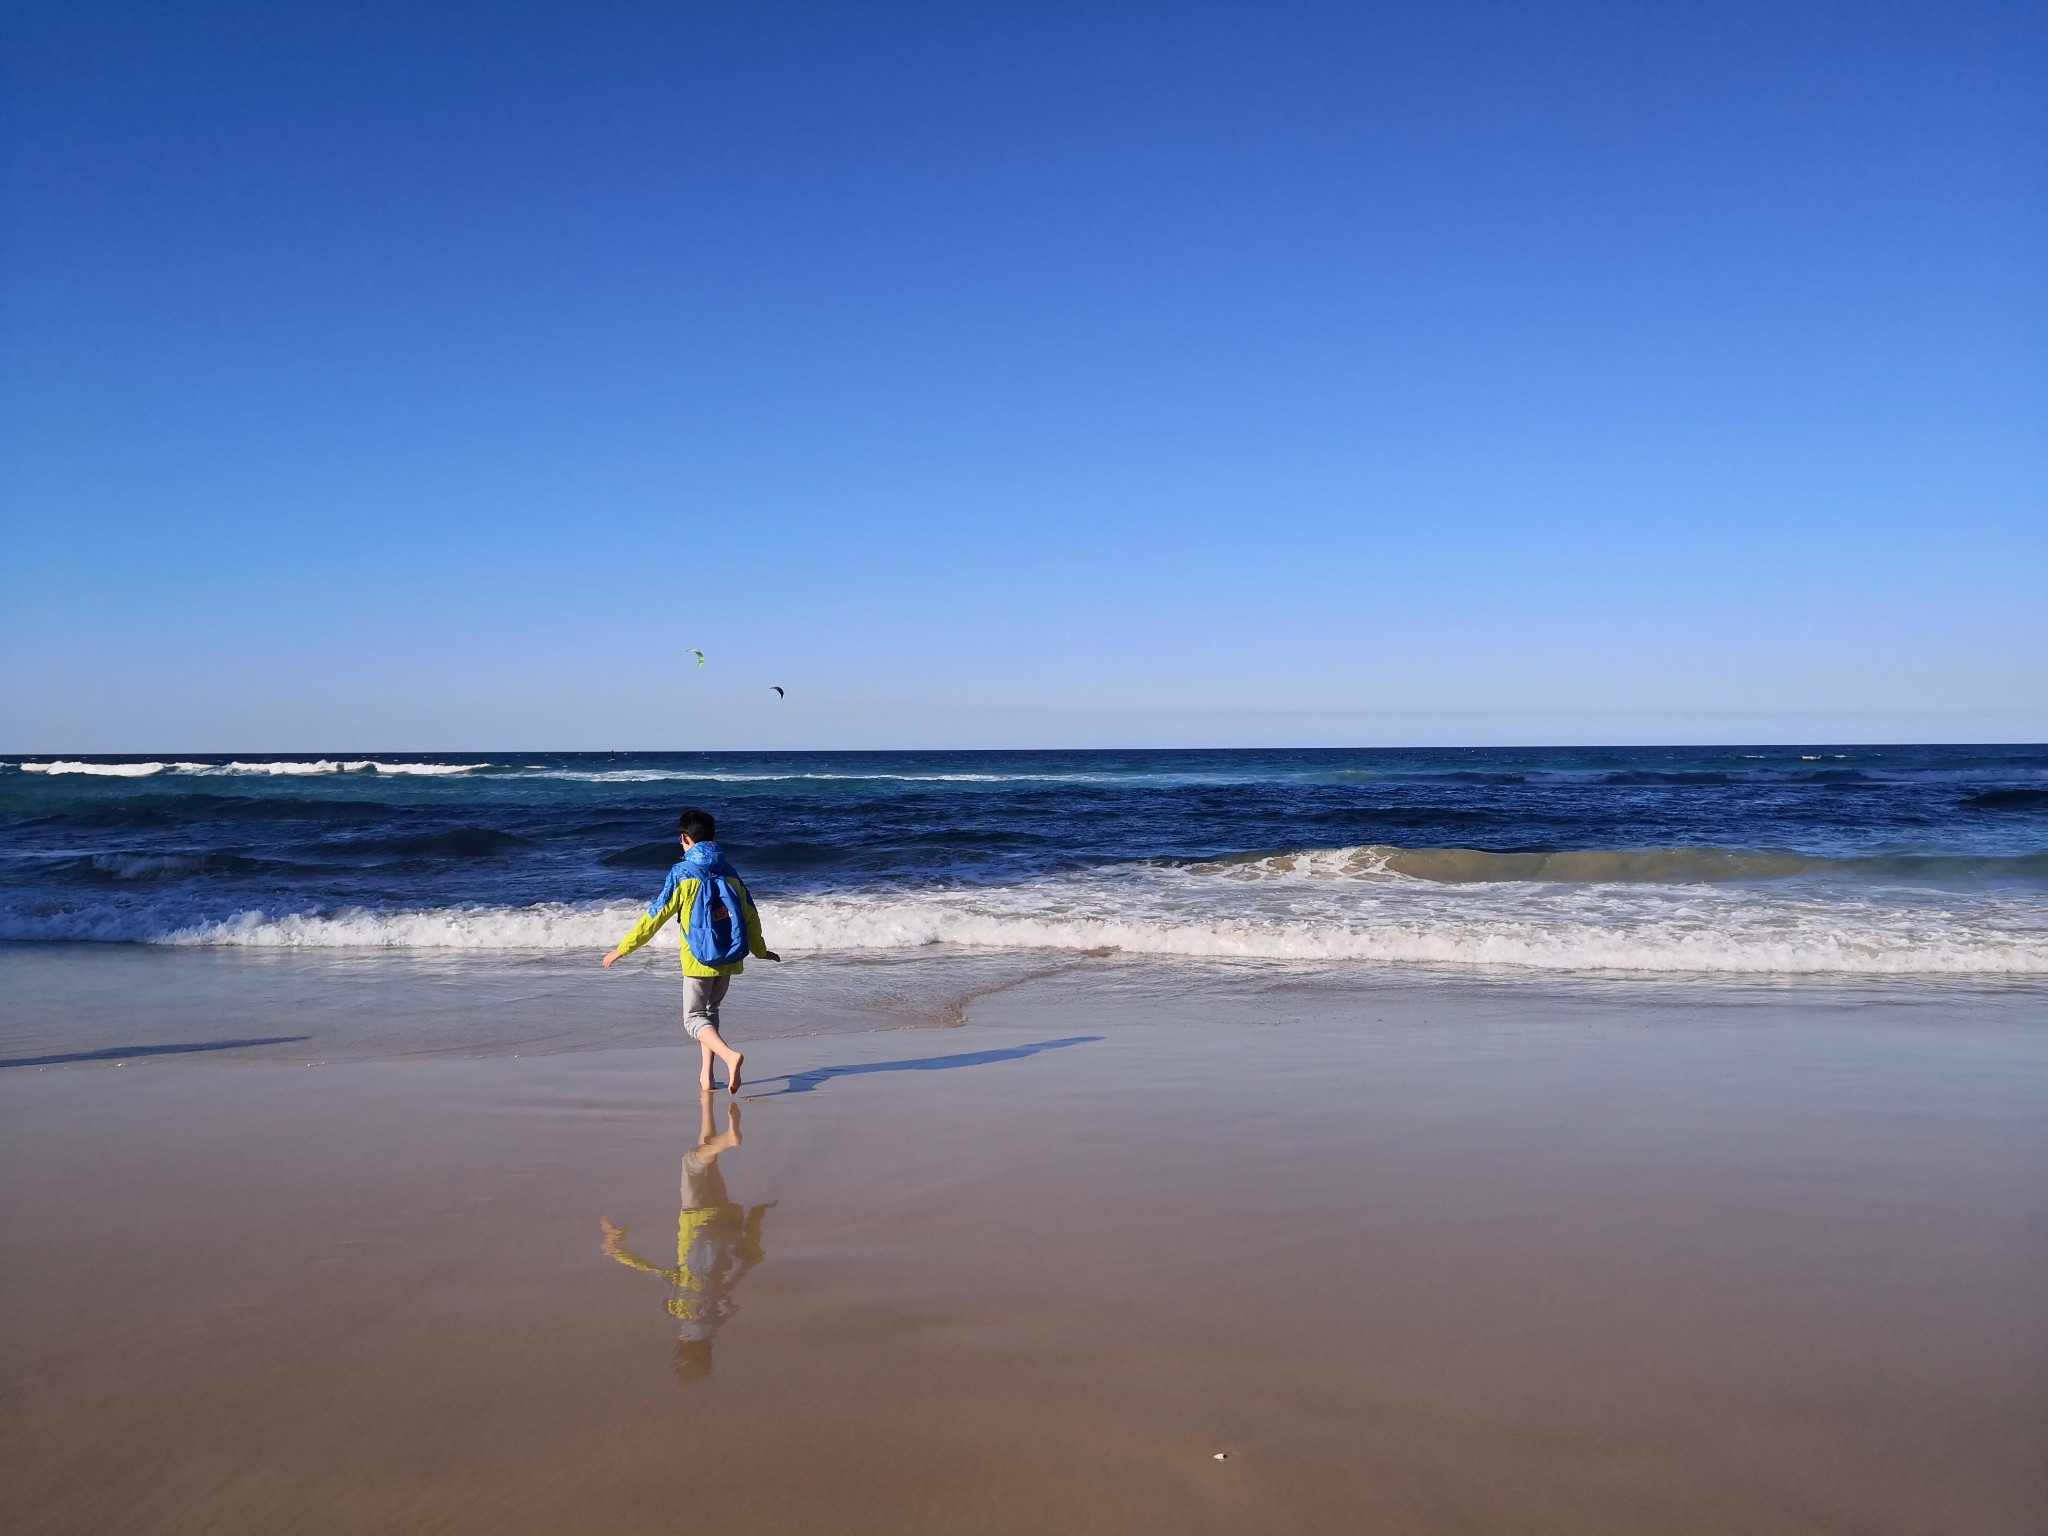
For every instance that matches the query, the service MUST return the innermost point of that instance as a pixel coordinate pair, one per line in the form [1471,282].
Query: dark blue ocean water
[1930,858]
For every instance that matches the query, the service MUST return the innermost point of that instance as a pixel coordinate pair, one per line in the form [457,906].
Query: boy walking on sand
[720,929]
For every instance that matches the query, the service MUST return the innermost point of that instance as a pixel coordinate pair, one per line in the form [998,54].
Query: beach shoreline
[1040,1244]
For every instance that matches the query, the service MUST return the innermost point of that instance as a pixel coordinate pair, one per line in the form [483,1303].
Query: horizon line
[322,753]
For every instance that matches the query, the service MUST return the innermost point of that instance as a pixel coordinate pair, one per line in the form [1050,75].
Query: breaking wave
[1604,866]
[1198,912]
[98,770]
[1753,942]
[289,768]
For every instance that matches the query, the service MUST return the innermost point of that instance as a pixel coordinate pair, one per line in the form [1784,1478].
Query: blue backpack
[717,929]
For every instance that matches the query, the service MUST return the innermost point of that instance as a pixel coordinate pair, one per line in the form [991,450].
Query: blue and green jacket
[678,899]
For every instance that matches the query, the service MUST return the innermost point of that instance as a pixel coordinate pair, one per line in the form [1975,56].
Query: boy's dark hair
[697,825]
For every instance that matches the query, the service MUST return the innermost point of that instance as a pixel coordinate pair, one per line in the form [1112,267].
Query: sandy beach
[1031,1248]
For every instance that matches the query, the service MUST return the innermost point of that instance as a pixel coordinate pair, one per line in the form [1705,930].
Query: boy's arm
[757,946]
[750,1241]
[615,1247]
[665,907]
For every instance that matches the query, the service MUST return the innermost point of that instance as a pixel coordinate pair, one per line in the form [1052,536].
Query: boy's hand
[608,959]
[768,954]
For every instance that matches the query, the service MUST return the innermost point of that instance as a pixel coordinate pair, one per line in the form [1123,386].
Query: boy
[716,1244]
[704,869]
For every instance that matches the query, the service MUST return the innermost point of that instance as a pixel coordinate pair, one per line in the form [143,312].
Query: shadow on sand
[130,1052]
[817,1077]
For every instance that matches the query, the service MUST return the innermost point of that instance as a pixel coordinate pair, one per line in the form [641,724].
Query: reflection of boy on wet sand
[716,1243]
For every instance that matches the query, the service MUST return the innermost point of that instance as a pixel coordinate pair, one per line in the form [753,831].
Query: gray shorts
[701,997]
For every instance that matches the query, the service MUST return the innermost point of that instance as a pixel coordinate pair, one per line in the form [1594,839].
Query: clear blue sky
[418,375]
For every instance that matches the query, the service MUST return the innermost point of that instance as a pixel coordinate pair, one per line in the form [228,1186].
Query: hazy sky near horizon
[432,376]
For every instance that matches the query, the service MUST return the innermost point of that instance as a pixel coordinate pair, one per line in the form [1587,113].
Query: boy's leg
[701,997]
[724,1053]
[700,1012]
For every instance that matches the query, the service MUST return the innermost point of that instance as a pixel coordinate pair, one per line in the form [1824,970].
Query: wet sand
[1416,1257]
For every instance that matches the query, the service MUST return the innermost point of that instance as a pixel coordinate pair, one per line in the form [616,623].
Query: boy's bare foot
[732,1072]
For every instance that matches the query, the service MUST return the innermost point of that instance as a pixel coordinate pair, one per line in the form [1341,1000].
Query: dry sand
[1415,1256]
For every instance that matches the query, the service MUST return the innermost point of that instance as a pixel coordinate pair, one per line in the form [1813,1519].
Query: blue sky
[416,376]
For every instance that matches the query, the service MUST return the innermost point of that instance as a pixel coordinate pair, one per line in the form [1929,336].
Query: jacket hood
[707,859]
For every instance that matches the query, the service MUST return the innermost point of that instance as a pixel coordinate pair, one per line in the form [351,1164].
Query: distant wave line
[286,768]
[1790,774]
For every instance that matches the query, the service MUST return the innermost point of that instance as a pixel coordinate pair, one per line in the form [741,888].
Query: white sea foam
[1325,914]
[1676,942]
[97,770]
[543,926]
[296,769]
[287,767]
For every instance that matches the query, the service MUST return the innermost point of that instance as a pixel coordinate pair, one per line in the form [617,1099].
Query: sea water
[1751,861]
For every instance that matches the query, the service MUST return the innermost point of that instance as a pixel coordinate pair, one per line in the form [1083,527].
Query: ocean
[1754,861]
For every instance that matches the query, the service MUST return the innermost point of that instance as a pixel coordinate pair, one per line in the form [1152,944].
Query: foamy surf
[282,768]
[1762,943]
[1616,866]
[1189,915]
[1877,861]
